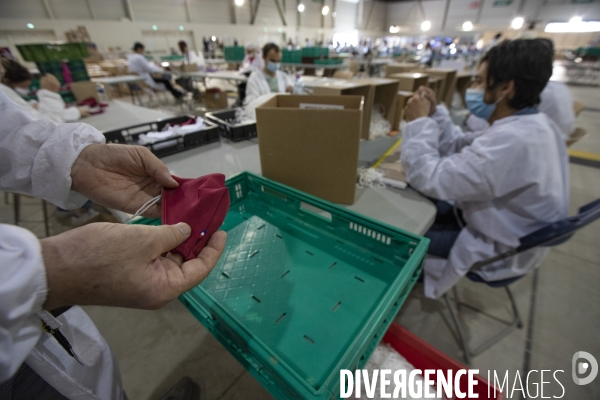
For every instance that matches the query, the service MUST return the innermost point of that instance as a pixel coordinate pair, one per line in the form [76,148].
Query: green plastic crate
[328,61]
[315,52]
[291,56]
[234,53]
[175,57]
[77,68]
[304,287]
[44,52]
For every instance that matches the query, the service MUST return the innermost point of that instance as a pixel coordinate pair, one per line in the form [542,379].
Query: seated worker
[252,61]
[152,74]
[556,102]
[192,56]
[270,79]
[507,181]
[15,84]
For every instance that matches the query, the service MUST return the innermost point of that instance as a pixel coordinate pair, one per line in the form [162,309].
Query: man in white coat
[15,84]
[507,181]
[270,79]
[192,56]
[98,264]
[154,76]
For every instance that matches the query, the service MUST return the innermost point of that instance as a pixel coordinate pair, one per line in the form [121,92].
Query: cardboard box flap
[283,101]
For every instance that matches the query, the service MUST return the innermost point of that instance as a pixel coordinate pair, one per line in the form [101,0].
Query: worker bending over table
[50,105]
[504,182]
[270,79]
[153,75]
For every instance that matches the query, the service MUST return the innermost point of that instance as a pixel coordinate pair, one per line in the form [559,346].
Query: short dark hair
[268,47]
[138,45]
[15,72]
[527,62]
[181,44]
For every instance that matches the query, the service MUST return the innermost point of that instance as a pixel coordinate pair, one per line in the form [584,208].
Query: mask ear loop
[145,207]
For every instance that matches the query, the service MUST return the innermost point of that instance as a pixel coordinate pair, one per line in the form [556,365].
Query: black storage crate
[129,135]
[229,130]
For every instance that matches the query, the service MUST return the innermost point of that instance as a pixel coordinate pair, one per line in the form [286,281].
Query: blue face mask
[272,66]
[477,106]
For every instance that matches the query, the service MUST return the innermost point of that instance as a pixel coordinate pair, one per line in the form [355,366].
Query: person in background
[556,102]
[270,79]
[15,84]
[494,41]
[290,45]
[153,75]
[427,55]
[192,56]
[252,60]
[503,183]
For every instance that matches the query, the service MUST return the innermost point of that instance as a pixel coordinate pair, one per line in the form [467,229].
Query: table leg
[17,204]
[46,221]
[131,93]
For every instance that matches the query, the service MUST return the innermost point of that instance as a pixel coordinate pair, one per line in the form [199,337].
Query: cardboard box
[410,81]
[463,82]
[84,90]
[401,100]
[215,100]
[188,67]
[449,76]
[311,149]
[399,68]
[383,93]
[351,88]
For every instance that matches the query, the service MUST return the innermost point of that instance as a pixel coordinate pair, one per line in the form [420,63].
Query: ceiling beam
[91,10]
[48,9]
[281,14]
[445,18]
[479,11]
[128,10]
[188,11]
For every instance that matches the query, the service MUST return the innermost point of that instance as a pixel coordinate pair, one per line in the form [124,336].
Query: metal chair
[551,235]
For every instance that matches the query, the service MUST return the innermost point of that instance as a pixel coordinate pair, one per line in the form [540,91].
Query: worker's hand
[289,89]
[429,94]
[123,265]
[84,111]
[418,106]
[119,176]
[49,82]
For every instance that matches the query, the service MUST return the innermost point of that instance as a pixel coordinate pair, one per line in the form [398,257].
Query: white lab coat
[256,64]
[508,180]
[193,57]
[556,103]
[51,105]
[257,85]
[137,64]
[36,159]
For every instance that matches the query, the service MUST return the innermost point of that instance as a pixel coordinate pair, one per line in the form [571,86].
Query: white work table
[225,75]
[120,114]
[405,209]
[115,80]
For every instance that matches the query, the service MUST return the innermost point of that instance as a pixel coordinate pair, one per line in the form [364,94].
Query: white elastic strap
[144,207]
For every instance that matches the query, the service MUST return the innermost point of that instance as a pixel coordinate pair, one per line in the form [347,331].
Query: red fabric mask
[202,203]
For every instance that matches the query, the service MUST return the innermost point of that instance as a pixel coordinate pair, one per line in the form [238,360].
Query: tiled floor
[156,348]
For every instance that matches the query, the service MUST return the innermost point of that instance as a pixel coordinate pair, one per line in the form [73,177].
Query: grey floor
[156,348]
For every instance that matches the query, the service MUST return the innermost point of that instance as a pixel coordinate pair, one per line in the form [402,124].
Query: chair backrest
[561,231]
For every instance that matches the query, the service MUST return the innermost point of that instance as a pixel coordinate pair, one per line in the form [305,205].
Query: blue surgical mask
[21,91]
[477,106]
[272,66]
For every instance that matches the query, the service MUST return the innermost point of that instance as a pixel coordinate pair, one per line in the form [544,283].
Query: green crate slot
[304,287]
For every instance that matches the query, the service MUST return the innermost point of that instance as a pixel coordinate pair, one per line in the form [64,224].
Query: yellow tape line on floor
[585,155]
[387,153]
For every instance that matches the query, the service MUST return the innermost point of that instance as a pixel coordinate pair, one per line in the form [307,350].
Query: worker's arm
[474,174]
[37,155]
[52,107]
[476,124]
[452,137]
[253,88]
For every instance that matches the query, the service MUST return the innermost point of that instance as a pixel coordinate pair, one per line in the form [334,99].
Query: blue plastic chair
[554,234]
